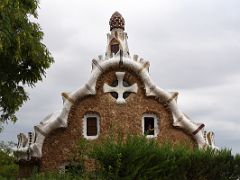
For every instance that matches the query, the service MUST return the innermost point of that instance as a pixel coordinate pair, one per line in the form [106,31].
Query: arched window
[91,126]
[150,125]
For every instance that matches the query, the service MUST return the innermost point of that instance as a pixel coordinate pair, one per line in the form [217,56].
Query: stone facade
[114,119]
[53,143]
[27,168]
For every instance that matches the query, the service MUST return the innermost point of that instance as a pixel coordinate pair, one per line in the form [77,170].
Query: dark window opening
[91,126]
[114,94]
[148,125]
[126,94]
[114,48]
[114,83]
[125,83]
[73,168]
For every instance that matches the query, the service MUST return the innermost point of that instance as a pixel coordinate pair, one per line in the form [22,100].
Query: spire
[117,38]
[117,21]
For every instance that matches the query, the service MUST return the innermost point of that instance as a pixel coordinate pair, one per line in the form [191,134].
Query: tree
[23,57]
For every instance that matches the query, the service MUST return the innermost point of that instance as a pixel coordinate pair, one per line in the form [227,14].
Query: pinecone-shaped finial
[117,21]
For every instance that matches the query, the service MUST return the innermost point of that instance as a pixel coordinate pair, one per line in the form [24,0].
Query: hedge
[141,158]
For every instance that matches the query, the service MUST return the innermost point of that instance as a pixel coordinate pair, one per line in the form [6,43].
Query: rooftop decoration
[117,21]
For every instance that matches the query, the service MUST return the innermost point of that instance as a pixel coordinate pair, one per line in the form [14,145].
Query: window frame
[156,124]
[86,116]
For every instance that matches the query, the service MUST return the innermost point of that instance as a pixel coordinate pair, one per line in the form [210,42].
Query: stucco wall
[114,119]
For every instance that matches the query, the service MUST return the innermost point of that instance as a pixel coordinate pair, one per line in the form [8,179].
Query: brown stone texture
[115,119]
[28,167]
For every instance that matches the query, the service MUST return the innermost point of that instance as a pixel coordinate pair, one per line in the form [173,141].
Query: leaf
[23,57]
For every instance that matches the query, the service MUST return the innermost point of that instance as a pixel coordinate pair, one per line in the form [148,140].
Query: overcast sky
[193,47]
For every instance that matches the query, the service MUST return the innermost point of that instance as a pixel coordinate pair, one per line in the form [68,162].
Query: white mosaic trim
[120,89]
[59,119]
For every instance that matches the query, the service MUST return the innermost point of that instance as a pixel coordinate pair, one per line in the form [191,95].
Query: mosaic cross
[120,89]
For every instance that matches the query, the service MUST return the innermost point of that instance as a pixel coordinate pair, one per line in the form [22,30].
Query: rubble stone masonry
[114,119]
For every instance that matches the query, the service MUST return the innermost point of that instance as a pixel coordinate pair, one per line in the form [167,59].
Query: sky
[193,47]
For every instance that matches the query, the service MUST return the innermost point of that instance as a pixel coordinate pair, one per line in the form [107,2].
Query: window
[73,167]
[91,127]
[150,125]
[114,48]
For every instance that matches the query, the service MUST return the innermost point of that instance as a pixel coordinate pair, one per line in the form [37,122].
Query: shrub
[137,157]
[8,168]
[142,158]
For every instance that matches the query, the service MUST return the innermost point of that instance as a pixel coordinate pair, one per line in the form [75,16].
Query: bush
[137,157]
[141,158]
[8,167]
[54,176]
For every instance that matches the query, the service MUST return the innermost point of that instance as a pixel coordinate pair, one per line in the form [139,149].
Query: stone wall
[27,168]
[115,119]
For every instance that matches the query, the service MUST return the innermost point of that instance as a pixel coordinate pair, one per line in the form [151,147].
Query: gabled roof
[32,146]
[139,66]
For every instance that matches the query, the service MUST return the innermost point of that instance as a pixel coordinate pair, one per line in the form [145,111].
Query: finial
[117,21]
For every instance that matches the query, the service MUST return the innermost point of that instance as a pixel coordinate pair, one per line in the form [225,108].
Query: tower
[117,38]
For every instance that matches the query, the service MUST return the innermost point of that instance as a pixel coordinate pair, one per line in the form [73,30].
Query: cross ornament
[120,89]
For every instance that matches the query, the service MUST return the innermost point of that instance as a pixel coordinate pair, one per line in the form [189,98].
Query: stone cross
[120,89]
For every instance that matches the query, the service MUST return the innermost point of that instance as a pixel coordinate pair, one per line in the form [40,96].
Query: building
[119,97]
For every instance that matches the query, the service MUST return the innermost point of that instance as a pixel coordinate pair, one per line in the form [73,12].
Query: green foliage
[64,176]
[137,158]
[213,164]
[55,176]
[141,158]
[8,168]
[23,57]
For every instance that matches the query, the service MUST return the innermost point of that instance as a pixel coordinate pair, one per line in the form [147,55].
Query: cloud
[217,107]
[193,47]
